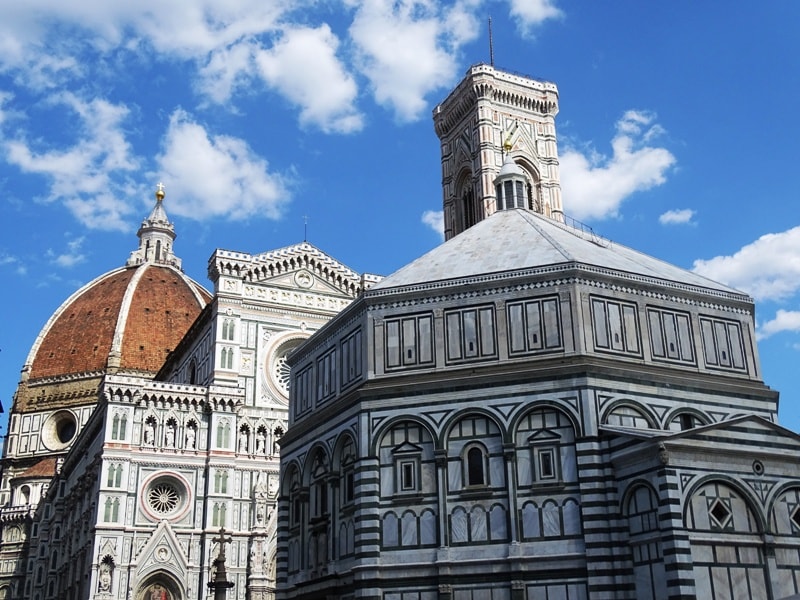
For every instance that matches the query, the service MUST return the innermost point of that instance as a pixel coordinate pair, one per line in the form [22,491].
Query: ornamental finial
[160,191]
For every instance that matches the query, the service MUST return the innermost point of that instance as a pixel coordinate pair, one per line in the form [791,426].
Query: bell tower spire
[491,117]
[156,236]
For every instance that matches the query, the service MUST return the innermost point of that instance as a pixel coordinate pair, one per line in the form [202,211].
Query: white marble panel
[569,464]
[458,525]
[551,520]
[409,530]
[387,481]
[390,530]
[454,475]
[530,522]
[497,471]
[572,517]
[477,521]
[524,467]
[427,529]
[719,582]
[498,522]
[428,477]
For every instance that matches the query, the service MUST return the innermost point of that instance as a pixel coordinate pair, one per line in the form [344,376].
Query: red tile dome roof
[128,319]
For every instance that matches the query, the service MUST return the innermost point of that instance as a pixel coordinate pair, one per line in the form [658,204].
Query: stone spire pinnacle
[156,236]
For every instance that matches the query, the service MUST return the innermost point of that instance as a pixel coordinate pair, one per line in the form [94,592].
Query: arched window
[228,329]
[716,508]
[475,471]
[221,482]
[684,421]
[347,460]
[107,512]
[218,514]
[223,434]
[641,509]
[628,416]
[319,486]
[469,208]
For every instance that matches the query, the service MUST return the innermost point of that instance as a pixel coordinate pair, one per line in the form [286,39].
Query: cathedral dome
[127,321]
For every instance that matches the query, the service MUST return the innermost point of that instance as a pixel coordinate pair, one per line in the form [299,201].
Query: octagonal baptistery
[496,417]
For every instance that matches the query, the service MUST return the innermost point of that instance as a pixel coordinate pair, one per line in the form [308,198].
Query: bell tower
[489,116]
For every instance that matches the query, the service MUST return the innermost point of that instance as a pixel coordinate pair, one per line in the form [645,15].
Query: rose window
[277,368]
[163,498]
[281,373]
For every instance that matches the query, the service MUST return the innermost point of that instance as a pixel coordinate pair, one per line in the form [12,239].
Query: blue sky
[678,136]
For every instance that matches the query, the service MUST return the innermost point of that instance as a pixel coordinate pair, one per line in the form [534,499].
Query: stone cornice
[573,273]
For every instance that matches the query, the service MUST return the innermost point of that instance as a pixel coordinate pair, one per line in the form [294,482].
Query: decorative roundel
[304,279]
[165,497]
[59,430]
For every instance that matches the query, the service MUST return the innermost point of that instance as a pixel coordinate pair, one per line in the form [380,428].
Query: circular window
[65,430]
[59,430]
[280,372]
[277,367]
[165,496]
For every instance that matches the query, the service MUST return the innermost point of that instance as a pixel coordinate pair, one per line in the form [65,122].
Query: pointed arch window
[223,434]
[111,512]
[114,475]
[469,208]
[119,426]
[221,482]
[228,329]
[218,514]
[226,358]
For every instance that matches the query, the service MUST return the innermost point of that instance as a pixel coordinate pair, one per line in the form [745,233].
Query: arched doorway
[159,586]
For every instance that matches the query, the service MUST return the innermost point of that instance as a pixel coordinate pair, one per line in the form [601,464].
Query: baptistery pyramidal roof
[126,320]
[517,239]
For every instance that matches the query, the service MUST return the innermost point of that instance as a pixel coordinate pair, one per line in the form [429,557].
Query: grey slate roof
[519,239]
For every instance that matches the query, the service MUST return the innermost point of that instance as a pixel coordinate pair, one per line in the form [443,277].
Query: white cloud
[5,97]
[785,320]
[303,66]
[72,256]
[7,260]
[767,269]
[217,175]
[227,70]
[533,12]
[89,176]
[435,220]
[184,28]
[677,216]
[408,49]
[594,186]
